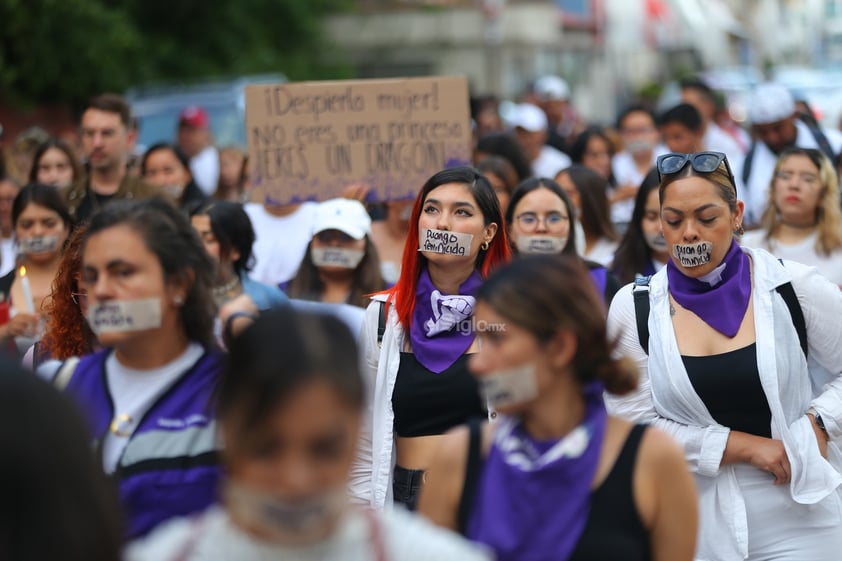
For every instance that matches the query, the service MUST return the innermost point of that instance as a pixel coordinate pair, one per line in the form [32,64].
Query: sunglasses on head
[702,162]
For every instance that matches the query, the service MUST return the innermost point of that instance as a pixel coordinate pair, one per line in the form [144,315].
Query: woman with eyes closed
[417,336]
[41,224]
[723,358]
[147,395]
[803,220]
[538,218]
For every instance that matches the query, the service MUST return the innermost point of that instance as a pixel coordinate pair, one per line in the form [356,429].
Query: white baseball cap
[529,117]
[346,215]
[770,103]
[551,88]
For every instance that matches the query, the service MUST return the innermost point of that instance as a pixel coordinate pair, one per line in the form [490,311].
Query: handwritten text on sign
[311,140]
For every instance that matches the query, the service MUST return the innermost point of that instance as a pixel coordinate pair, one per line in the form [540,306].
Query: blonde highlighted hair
[828,212]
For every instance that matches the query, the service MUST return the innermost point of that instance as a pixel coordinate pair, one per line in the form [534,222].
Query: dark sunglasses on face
[702,162]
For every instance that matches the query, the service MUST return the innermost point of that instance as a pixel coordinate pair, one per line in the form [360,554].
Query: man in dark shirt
[107,141]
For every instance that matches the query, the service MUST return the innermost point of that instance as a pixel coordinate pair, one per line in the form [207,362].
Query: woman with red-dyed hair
[67,333]
[418,334]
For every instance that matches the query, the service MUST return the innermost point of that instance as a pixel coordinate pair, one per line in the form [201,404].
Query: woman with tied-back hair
[803,220]
[418,335]
[556,477]
[740,358]
[147,394]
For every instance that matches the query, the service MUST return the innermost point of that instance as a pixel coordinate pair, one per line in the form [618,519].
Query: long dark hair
[533,184]
[279,353]
[368,279]
[58,144]
[46,196]
[504,145]
[634,253]
[233,230]
[57,503]
[580,147]
[595,216]
[170,236]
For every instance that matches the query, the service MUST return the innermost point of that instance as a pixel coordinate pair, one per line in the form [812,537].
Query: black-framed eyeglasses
[702,162]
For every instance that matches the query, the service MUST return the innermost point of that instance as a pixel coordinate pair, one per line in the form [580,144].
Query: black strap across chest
[641,311]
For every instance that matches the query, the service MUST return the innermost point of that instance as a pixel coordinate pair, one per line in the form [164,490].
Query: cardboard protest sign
[310,140]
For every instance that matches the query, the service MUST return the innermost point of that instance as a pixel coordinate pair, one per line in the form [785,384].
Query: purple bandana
[441,329]
[720,303]
[534,498]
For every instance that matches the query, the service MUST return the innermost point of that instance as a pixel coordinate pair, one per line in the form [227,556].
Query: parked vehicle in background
[157,107]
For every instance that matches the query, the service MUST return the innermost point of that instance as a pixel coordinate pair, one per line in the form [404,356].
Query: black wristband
[229,322]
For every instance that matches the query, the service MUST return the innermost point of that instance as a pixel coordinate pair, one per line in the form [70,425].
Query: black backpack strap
[381,323]
[473,467]
[822,141]
[788,294]
[747,161]
[641,310]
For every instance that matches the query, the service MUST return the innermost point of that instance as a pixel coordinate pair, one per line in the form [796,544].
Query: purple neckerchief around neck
[441,329]
[721,302]
[534,498]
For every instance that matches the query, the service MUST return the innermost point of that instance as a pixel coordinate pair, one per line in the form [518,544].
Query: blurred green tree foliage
[66,50]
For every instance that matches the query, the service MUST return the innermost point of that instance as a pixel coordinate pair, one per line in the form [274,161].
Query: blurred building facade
[606,49]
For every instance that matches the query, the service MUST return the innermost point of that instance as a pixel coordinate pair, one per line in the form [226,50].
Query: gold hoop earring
[484,246]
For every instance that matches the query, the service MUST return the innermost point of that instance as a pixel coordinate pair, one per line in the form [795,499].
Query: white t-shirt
[830,266]
[626,173]
[603,252]
[205,169]
[133,392]
[549,162]
[214,537]
[7,256]
[280,241]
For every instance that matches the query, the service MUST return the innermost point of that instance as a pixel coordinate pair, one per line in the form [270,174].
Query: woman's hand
[356,191]
[763,453]
[821,436]
[22,325]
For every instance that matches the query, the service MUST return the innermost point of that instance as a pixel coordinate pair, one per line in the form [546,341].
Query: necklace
[222,294]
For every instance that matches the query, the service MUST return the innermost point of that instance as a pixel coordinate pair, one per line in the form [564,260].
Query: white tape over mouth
[693,254]
[444,242]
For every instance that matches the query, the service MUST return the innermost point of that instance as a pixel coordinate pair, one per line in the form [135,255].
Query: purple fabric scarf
[722,305]
[442,330]
[533,498]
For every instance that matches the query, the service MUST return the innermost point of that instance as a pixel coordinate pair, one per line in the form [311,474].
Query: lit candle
[27,290]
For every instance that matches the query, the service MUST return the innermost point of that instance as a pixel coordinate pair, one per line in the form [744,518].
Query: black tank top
[614,530]
[426,403]
[729,385]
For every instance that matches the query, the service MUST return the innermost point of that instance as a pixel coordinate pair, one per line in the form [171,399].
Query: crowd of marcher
[594,343]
